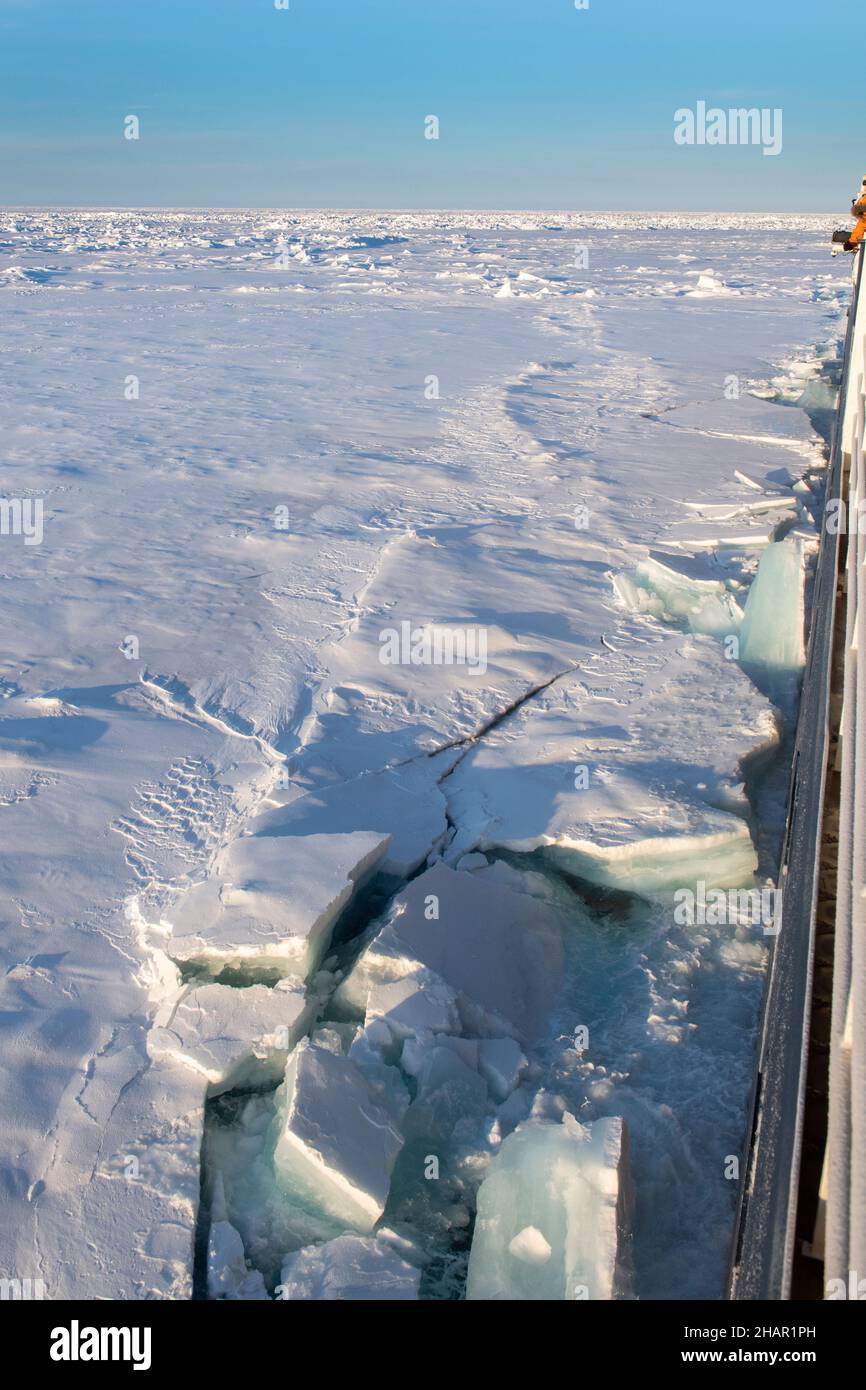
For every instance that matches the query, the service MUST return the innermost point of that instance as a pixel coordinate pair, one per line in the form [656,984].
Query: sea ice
[335,1145]
[629,772]
[772,637]
[231,1037]
[499,951]
[208,668]
[405,804]
[348,1268]
[273,900]
[553,1216]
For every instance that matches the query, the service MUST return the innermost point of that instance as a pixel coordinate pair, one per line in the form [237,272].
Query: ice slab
[747,418]
[335,1144]
[501,1063]
[349,1268]
[629,772]
[273,900]
[403,803]
[500,952]
[419,1003]
[232,1036]
[553,1217]
[772,637]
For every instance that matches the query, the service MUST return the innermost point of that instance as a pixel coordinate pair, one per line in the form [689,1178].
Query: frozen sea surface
[261,444]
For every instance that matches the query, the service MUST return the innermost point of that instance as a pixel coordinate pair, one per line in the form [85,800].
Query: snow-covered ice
[272,901]
[226,1035]
[266,445]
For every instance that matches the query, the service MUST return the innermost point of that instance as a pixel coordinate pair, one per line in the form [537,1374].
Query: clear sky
[541,105]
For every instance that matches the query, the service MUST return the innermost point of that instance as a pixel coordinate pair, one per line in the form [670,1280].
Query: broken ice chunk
[348,1268]
[335,1143]
[565,1185]
[273,900]
[701,605]
[501,952]
[772,637]
[416,1050]
[450,1104]
[469,862]
[419,1003]
[501,1063]
[229,1035]
[227,1273]
[530,1246]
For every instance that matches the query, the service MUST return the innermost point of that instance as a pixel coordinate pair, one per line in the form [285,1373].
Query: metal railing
[844,1184]
[763,1250]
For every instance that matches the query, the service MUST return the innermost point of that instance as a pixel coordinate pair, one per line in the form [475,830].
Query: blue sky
[540,105]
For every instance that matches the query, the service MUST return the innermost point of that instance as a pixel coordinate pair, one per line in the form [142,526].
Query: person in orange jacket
[858,210]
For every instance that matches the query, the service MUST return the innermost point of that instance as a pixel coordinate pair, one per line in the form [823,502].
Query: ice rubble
[446,993]
[348,1268]
[701,605]
[554,1215]
[273,900]
[228,1274]
[770,628]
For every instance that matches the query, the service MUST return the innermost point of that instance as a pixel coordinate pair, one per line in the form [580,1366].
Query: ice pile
[455,983]
[770,628]
[700,605]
